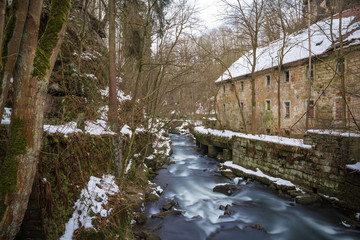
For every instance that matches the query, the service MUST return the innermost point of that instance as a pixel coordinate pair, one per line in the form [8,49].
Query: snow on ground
[92,200]
[184,128]
[355,166]
[128,166]
[120,94]
[267,138]
[91,127]
[162,144]
[6,116]
[86,55]
[259,173]
[98,127]
[333,133]
[156,190]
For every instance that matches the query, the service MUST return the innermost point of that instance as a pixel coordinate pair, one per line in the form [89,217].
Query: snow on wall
[266,138]
[259,173]
[296,47]
[333,133]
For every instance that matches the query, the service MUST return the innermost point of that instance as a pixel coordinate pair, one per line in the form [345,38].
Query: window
[232,87]
[312,72]
[268,81]
[224,107]
[339,108]
[287,76]
[242,85]
[340,63]
[268,105]
[287,106]
[223,89]
[311,110]
[242,106]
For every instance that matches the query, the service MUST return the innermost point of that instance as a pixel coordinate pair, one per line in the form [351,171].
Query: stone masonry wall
[326,88]
[321,170]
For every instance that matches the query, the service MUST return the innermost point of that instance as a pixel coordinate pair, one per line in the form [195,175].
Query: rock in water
[164,214]
[227,189]
[258,227]
[168,206]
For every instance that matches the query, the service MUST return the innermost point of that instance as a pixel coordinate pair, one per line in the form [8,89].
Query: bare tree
[250,17]
[13,32]
[113,105]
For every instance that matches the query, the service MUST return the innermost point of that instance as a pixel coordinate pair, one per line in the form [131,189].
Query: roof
[296,46]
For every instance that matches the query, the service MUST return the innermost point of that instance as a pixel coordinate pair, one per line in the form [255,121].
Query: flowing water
[190,182]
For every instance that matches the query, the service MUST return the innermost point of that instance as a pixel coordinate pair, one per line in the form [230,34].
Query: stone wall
[320,170]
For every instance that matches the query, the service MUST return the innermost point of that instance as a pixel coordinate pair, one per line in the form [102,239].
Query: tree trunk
[21,160]
[14,30]
[309,72]
[113,102]
[112,66]
[2,23]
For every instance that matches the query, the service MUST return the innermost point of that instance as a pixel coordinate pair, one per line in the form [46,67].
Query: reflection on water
[190,182]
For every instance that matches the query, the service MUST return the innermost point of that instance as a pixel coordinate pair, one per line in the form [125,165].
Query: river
[190,182]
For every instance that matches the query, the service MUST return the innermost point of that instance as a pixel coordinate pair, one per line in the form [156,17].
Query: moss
[8,171]
[90,234]
[58,17]
[9,31]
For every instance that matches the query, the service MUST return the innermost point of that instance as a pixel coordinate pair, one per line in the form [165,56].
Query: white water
[190,182]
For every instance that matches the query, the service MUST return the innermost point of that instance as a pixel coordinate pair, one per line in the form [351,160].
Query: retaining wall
[321,169]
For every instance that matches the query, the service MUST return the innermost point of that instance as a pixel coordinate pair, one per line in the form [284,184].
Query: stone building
[327,108]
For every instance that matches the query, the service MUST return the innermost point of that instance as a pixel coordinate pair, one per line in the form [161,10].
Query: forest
[91,89]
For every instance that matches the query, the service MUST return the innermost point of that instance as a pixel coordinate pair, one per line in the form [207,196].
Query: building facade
[286,90]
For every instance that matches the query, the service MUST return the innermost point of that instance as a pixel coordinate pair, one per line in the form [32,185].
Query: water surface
[190,182]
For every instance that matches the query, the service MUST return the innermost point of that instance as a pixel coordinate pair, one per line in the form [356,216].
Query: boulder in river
[227,189]
[164,214]
[258,227]
[307,199]
[147,235]
[168,206]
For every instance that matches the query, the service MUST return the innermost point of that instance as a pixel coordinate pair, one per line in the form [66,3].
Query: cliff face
[80,70]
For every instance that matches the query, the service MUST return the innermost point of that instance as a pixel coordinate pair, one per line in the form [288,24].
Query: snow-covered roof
[296,45]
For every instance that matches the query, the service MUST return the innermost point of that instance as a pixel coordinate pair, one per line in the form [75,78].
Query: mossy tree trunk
[2,23]
[12,39]
[31,82]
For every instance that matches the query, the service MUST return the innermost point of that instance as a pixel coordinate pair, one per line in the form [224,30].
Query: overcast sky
[209,12]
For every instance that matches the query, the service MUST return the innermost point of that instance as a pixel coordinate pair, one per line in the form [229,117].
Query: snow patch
[128,166]
[355,166]
[97,127]
[259,173]
[93,198]
[267,138]
[120,94]
[333,133]
[6,116]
